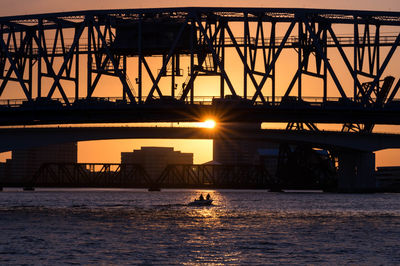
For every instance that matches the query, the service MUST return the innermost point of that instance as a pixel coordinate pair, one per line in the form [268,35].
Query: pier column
[233,151]
[356,172]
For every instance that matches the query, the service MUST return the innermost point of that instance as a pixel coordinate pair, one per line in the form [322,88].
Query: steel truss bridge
[56,63]
[135,176]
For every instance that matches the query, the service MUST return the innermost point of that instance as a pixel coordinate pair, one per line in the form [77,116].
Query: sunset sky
[18,7]
[109,151]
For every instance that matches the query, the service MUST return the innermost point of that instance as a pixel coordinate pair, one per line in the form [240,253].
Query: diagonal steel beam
[209,43]
[384,65]
[244,61]
[295,77]
[5,80]
[16,25]
[326,60]
[170,53]
[201,62]
[345,59]
[43,51]
[15,69]
[151,76]
[394,91]
[272,64]
[10,70]
[109,54]
[97,79]
[67,57]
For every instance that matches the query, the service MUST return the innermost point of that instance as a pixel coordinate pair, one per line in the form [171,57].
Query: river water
[122,226]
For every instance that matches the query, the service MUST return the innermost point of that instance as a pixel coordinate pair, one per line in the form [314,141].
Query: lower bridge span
[135,176]
[22,138]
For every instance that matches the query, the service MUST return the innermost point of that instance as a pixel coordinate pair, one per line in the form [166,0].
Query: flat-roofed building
[155,159]
[24,163]
[388,178]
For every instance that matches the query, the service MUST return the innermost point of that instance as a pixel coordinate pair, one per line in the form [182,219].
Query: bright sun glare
[209,123]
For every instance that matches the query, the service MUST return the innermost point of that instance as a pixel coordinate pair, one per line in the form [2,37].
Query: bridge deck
[16,138]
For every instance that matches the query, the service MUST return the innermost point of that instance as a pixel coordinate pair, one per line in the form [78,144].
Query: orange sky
[109,151]
[18,7]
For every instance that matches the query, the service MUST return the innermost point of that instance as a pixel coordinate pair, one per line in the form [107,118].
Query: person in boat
[208,196]
[201,197]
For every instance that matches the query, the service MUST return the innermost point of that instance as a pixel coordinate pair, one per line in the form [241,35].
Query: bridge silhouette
[17,138]
[53,65]
[46,55]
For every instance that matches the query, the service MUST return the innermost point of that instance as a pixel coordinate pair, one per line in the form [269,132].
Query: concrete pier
[356,172]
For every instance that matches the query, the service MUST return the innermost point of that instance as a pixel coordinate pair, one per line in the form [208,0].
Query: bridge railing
[293,41]
[198,100]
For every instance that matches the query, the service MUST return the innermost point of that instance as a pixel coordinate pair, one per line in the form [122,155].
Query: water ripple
[252,227]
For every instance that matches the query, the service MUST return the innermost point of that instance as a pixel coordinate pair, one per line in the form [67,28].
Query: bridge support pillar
[356,172]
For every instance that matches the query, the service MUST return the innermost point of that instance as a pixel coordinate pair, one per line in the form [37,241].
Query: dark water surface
[94,226]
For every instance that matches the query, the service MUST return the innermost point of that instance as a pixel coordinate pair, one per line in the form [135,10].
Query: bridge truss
[135,176]
[62,57]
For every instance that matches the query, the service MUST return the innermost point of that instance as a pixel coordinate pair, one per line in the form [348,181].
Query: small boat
[198,202]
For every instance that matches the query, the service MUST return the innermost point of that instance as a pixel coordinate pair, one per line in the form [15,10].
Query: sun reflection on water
[207,231]
[209,212]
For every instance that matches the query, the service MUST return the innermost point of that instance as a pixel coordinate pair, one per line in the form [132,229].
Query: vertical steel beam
[272,46]
[377,45]
[30,44]
[222,39]
[352,71]
[326,60]
[355,52]
[216,59]
[140,59]
[394,91]
[245,48]
[253,56]
[5,78]
[384,65]
[77,51]
[243,60]
[115,65]
[125,72]
[272,64]
[201,57]
[40,54]
[371,55]
[325,71]
[14,68]
[299,58]
[170,53]
[260,29]
[192,32]
[173,58]
[67,58]
[89,56]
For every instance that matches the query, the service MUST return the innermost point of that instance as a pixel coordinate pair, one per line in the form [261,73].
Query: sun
[209,123]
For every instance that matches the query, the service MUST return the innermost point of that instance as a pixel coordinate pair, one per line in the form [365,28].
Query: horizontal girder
[233,14]
[22,138]
[130,113]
